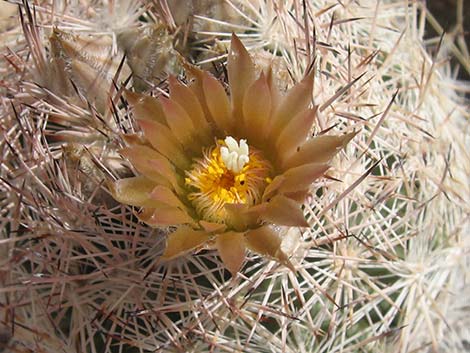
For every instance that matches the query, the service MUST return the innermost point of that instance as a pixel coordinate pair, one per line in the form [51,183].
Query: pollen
[229,172]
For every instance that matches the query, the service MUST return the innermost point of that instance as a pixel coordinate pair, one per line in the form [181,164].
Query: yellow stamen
[216,179]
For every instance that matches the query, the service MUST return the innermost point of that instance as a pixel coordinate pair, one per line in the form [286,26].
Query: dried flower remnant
[86,64]
[149,53]
[225,171]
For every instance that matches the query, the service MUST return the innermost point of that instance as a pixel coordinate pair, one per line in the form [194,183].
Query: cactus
[383,265]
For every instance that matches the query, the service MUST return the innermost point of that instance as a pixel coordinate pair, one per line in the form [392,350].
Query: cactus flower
[226,171]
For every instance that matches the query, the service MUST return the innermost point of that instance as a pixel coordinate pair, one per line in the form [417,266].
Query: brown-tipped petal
[300,178]
[217,102]
[132,97]
[167,170]
[317,150]
[186,98]
[166,196]
[179,122]
[241,74]
[152,164]
[196,86]
[182,240]
[211,227]
[132,191]
[139,157]
[238,216]
[257,109]
[271,189]
[275,94]
[295,132]
[267,242]
[163,141]
[298,196]
[146,107]
[282,210]
[231,247]
[134,139]
[169,216]
[144,214]
[295,101]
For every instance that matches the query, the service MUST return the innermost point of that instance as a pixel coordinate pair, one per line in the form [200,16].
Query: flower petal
[166,196]
[132,191]
[317,150]
[168,216]
[153,165]
[271,189]
[257,109]
[139,156]
[238,216]
[163,141]
[196,86]
[145,107]
[231,247]
[300,178]
[186,98]
[241,74]
[275,94]
[267,242]
[295,101]
[217,102]
[180,123]
[183,240]
[280,210]
[295,132]
[212,227]
[298,196]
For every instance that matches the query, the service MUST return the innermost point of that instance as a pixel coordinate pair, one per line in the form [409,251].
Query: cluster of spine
[384,266]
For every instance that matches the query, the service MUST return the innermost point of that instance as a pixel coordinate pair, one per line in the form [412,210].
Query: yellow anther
[213,183]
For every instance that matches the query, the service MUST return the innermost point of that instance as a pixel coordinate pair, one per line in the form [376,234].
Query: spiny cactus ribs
[320,146]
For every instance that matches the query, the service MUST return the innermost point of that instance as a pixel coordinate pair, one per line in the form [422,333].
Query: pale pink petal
[182,240]
[256,110]
[162,139]
[241,74]
[317,150]
[299,178]
[267,242]
[231,247]
[139,157]
[295,132]
[169,216]
[144,214]
[273,187]
[298,196]
[145,107]
[167,196]
[275,95]
[212,227]
[295,101]
[186,98]
[280,210]
[180,124]
[196,86]
[134,139]
[133,191]
[217,102]
[153,165]
[238,217]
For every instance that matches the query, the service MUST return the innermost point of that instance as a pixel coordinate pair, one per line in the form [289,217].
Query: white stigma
[233,155]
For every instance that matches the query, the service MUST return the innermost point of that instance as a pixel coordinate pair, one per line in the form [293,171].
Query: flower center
[229,172]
